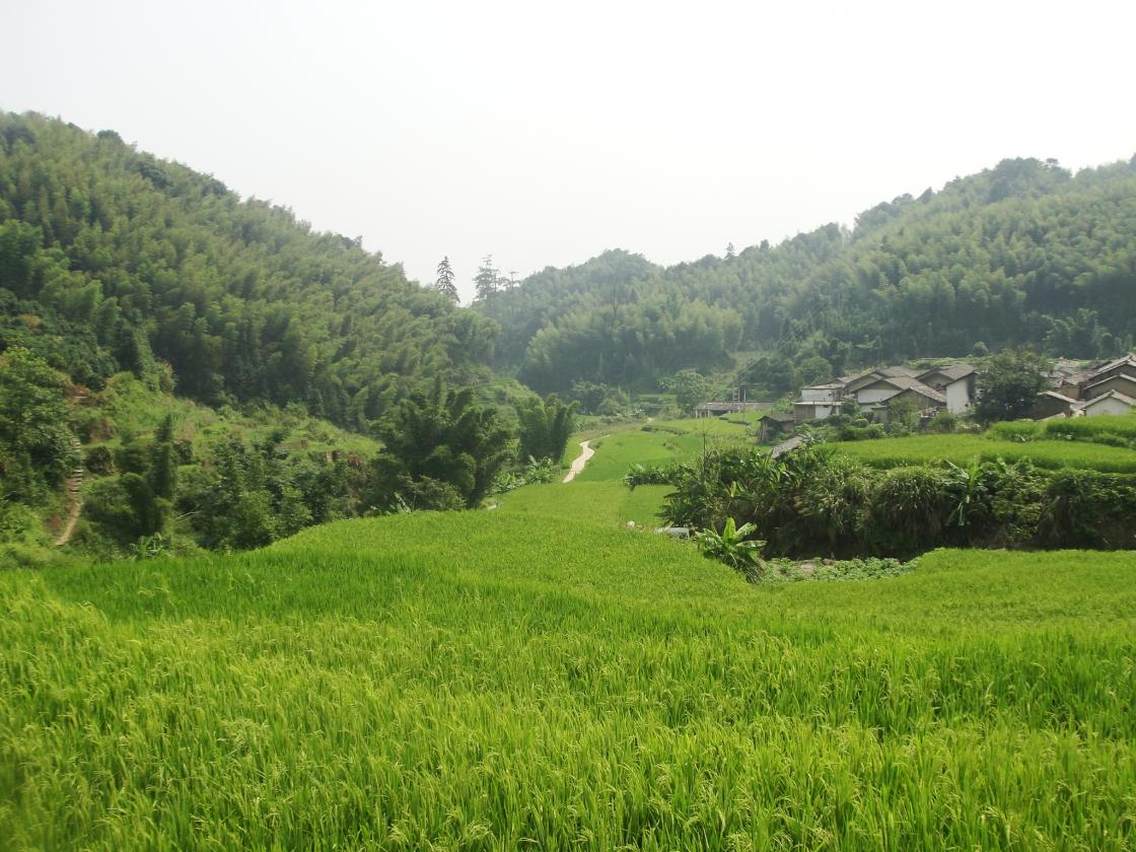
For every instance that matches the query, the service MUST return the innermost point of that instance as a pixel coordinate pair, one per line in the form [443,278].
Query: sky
[545,133]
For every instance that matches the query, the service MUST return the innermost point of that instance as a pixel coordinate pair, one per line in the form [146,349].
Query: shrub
[732,547]
[99,460]
[814,500]
[1083,508]
[649,475]
[1017,430]
[909,507]
[944,422]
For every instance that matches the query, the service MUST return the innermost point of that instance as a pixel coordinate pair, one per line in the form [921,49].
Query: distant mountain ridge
[1025,252]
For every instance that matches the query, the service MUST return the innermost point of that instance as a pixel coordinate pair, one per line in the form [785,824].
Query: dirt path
[74,487]
[586,452]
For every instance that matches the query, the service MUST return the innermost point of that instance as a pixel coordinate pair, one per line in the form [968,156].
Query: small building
[1110,402]
[775,424]
[1126,365]
[957,382]
[876,395]
[1125,383]
[1053,404]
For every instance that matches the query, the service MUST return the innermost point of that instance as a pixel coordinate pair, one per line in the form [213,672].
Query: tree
[437,446]
[1009,385]
[545,428]
[36,444]
[770,373]
[487,281]
[689,387]
[812,370]
[731,252]
[163,460]
[444,283]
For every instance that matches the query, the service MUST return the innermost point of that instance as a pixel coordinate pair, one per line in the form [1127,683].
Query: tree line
[111,259]
[1023,253]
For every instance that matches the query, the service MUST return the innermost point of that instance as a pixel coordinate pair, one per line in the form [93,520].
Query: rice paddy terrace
[538,676]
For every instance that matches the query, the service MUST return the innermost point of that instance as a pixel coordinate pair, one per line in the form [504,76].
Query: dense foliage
[441,451]
[544,428]
[1009,384]
[36,446]
[1022,253]
[110,258]
[817,501]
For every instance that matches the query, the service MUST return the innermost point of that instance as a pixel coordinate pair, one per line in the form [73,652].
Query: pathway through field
[586,452]
[74,487]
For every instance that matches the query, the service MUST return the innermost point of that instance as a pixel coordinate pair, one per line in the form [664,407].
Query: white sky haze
[546,133]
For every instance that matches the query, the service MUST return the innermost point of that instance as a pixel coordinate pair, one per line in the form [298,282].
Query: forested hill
[112,259]
[1025,252]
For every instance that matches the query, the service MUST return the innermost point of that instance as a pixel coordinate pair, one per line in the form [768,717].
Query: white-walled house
[1109,388]
[957,382]
[874,389]
[1110,402]
[876,395]
[818,402]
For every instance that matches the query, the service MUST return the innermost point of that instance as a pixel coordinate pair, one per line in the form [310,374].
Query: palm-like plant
[442,437]
[733,547]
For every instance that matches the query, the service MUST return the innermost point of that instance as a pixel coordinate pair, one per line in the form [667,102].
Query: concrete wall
[958,396]
[1107,406]
[810,395]
[1116,383]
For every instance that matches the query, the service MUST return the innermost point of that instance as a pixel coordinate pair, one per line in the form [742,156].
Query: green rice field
[538,676]
[658,443]
[961,449]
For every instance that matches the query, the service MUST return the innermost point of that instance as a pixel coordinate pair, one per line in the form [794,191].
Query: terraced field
[660,442]
[507,679]
[961,449]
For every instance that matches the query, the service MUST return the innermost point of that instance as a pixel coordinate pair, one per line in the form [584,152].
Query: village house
[957,382]
[1107,389]
[818,401]
[951,387]
[1111,402]
[1053,404]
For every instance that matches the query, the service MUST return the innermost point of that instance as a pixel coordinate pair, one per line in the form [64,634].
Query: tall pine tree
[488,279]
[445,281]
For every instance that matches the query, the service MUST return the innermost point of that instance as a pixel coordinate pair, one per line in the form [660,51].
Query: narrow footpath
[74,486]
[586,452]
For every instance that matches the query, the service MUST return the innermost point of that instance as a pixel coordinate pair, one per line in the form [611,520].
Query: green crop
[506,680]
[961,449]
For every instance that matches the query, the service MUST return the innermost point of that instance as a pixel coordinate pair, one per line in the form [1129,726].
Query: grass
[960,449]
[608,502]
[501,680]
[660,442]
[1070,428]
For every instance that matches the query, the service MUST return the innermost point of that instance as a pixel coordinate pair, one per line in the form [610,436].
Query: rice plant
[505,680]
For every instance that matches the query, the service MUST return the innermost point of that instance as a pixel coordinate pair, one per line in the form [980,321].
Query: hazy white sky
[545,133]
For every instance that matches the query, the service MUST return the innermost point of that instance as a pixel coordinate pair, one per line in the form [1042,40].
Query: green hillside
[487,680]
[111,258]
[1025,252]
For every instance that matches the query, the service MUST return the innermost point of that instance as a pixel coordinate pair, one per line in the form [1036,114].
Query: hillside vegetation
[1025,252]
[481,680]
[111,258]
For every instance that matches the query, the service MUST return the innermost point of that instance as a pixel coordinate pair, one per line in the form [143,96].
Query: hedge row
[817,501]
